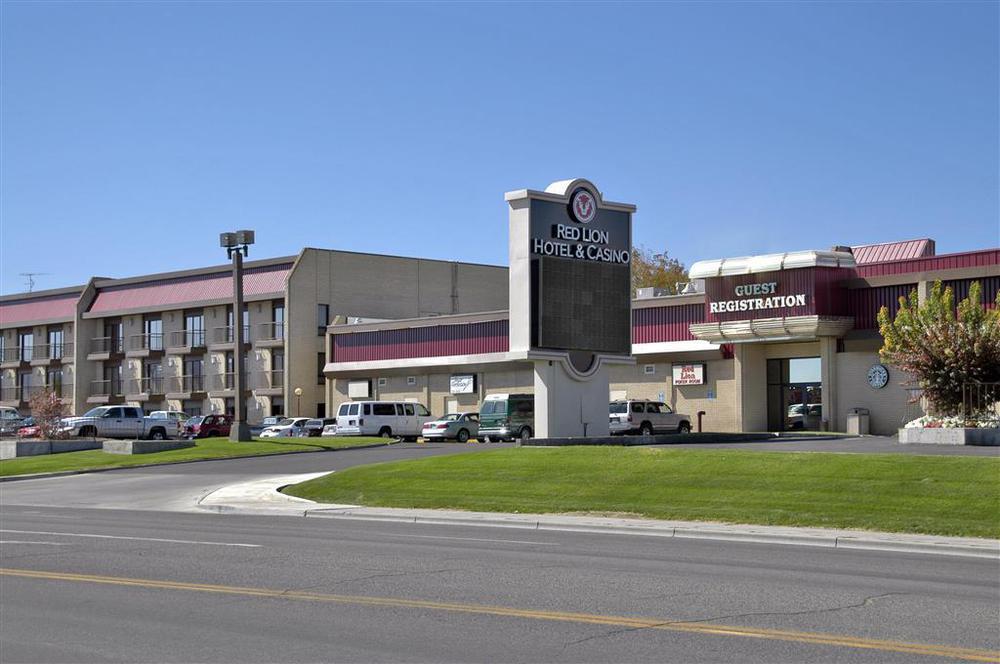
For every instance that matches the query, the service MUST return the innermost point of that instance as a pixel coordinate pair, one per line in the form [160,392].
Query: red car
[29,429]
[207,426]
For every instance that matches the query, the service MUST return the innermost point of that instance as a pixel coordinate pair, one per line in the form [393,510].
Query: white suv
[646,417]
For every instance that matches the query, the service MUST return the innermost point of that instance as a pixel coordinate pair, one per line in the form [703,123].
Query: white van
[388,419]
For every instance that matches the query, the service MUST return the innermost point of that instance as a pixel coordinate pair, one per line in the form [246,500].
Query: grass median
[205,448]
[957,496]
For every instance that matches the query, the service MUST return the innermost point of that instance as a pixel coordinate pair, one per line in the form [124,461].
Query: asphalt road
[88,578]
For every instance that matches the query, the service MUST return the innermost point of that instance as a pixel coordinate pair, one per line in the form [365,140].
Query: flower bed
[953,430]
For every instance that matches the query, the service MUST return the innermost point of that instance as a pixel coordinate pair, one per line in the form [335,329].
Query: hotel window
[54,381]
[320,366]
[278,319]
[152,328]
[56,343]
[194,374]
[26,344]
[322,318]
[194,326]
[113,336]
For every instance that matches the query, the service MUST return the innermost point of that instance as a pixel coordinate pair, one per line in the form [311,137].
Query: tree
[944,351]
[48,409]
[656,270]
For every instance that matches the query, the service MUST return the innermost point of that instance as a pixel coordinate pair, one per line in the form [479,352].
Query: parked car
[270,421]
[314,427]
[119,422]
[454,426]
[507,417]
[10,420]
[176,415]
[403,419]
[286,428]
[29,429]
[207,426]
[646,417]
[804,416]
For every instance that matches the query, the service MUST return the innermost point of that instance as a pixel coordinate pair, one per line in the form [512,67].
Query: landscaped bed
[205,448]
[896,493]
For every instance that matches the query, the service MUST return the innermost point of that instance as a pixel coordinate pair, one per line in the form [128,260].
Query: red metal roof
[41,308]
[893,251]
[182,291]
[932,263]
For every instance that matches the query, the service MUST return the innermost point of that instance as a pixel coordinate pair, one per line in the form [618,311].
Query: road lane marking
[477,539]
[34,542]
[121,537]
[815,638]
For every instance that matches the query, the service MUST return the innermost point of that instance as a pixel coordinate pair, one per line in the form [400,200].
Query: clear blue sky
[134,132]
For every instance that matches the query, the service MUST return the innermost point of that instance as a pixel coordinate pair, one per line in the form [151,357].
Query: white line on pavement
[34,542]
[119,537]
[477,539]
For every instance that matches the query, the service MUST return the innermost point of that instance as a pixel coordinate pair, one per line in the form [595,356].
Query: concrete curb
[897,542]
[262,497]
[87,471]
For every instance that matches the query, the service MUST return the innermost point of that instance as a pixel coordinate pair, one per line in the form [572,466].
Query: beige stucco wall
[631,382]
[372,286]
[889,408]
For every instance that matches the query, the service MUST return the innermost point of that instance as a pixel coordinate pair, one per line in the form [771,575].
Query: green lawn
[206,448]
[897,493]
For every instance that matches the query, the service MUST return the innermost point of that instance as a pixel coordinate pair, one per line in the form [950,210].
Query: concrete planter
[11,449]
[144,446]
[950,436]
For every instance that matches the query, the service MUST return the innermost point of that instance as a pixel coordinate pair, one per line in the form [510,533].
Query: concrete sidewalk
[262,497]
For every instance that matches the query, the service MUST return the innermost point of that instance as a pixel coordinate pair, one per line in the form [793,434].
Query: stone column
[828,376]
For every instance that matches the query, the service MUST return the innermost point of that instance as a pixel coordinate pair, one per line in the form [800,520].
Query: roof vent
[840,247]
[649,293]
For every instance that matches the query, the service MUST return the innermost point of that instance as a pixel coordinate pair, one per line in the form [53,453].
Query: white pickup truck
[119,422]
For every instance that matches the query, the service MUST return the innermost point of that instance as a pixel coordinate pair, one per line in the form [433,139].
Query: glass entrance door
[794,394]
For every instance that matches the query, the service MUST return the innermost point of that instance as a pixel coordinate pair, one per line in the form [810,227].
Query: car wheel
[157,434]
[645,429]
[684,427]
[385,432]
[524,435]
[463,436]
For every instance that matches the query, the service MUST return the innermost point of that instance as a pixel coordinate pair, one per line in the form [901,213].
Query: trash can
[857,422]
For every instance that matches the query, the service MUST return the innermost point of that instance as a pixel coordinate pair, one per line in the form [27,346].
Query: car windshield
[287,422]
[619,408]
[451,417]
[96,412]
[314,423]
[28,422]
[194,421]
[496,406]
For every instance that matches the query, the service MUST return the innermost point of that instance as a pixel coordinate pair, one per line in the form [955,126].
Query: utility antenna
[29,278]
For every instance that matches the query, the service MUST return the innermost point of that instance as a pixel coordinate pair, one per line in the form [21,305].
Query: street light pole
[236,246]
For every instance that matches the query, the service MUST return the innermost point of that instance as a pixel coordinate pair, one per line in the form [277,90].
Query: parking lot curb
[87,471]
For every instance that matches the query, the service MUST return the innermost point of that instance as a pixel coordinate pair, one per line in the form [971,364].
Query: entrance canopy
[792,296]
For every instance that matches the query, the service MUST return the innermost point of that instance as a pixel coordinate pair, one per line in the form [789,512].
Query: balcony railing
[53,351]
[271,379]
[146,385]
[106,345]
[187,339]
[15,354]
[186,384]
[11,393]
[107,388]
[271,332]
[224,335]
[149,341]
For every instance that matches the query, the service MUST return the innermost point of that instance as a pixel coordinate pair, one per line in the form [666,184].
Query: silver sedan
[457,426]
